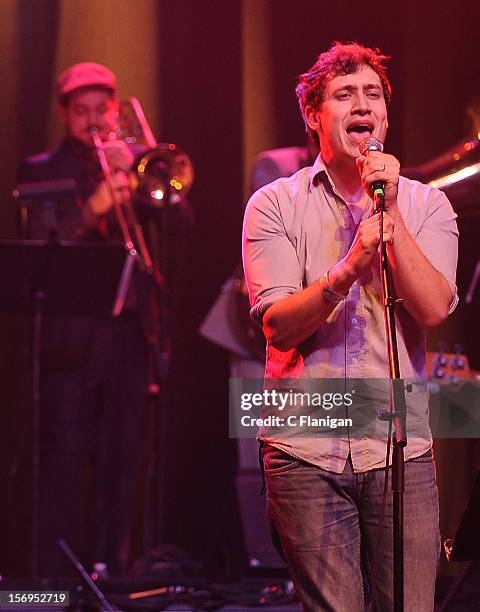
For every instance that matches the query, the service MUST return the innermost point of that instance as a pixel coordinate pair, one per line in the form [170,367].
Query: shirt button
[354,320]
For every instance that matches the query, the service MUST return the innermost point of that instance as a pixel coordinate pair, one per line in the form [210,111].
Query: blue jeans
[327,525]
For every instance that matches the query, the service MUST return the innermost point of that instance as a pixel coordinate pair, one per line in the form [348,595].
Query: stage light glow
[455,177]
[157,194]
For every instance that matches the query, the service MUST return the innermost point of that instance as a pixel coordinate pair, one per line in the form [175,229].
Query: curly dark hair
[341,58]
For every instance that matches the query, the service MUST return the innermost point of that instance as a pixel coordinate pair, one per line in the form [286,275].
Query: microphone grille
[370,144]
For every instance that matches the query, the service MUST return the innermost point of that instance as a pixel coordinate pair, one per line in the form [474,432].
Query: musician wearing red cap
[94,368]
[87,99]
[311,258]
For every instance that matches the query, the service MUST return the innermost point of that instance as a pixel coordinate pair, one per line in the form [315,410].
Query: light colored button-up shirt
[296,229]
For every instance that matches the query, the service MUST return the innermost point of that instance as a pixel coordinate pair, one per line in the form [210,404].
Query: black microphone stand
[397,413]
[155,330]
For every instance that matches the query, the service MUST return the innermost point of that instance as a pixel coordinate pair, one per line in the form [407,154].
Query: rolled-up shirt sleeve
[270,261]
[438,239]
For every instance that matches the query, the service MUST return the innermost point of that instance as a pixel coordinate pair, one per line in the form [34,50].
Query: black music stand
[60,278]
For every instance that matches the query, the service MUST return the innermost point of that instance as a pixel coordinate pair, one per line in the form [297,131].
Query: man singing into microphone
[311,257]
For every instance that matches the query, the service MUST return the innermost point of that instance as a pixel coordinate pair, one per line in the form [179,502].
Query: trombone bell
[162,176]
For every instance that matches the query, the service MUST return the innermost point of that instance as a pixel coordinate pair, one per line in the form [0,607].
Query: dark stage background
[216,77]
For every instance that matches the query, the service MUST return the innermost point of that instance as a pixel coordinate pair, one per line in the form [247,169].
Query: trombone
[161,176]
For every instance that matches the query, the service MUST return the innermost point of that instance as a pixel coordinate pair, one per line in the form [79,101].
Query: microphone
[373,144]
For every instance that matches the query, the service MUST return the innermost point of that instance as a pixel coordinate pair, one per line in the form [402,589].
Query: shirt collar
[318,172]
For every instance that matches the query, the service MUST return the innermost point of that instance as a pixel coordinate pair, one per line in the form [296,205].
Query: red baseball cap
[85,74]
